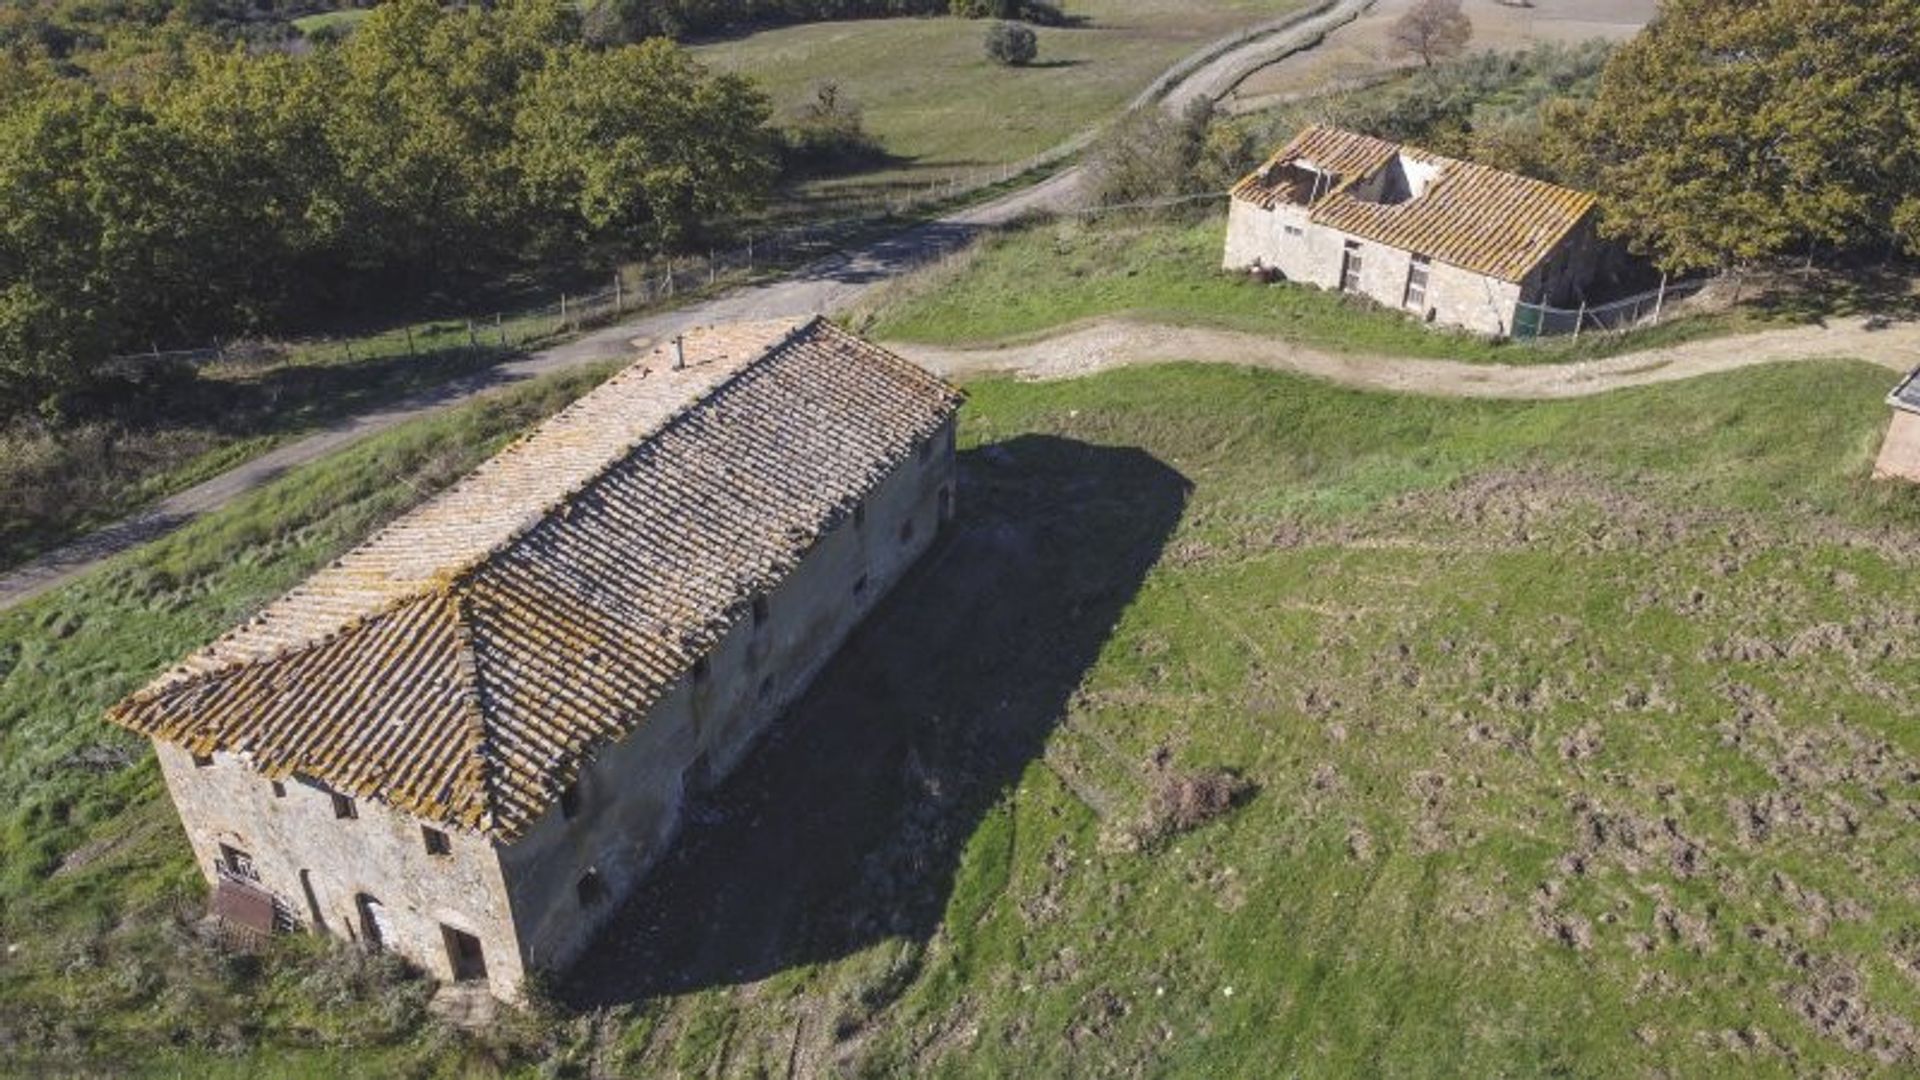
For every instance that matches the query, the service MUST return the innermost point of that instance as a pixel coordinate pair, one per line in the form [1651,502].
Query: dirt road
[1109,343]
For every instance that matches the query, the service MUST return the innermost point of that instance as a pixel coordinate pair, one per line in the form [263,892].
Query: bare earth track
[1109,343]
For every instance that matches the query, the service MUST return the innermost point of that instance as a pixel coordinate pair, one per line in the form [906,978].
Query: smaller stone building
[1453,242]
[467,739]
[1900,452]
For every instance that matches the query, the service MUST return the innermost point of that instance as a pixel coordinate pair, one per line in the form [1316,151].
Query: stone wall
[1900,451]
[1283,238]
[523,901]
[318,864]
[631,796]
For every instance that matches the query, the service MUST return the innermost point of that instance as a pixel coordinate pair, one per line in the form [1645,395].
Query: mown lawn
[1578,736]
[936,102]
[1026,282]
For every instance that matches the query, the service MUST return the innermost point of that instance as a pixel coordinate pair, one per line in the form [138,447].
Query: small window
[436,841]
[759,611]
[590,888]
[1417,281]
[201,761]
[700,670]
[859,515]
[570,800]
[1294,230]
[279,790]
[906,530]
[343,807]
[860,585]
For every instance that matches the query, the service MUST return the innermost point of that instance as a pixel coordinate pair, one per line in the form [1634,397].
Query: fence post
[500,327]
[712,272]
[1580,319]
[563,311]
[1660,300]
[618,301]
[410,351]
[473,339]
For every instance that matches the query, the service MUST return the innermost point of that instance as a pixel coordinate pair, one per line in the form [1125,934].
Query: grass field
[1577,732]
[944,110]
[345,19]
[1030,281]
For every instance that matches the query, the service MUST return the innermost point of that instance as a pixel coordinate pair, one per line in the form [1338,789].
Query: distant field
[1580,736]
[1027,282]
[345,19]
[938,103]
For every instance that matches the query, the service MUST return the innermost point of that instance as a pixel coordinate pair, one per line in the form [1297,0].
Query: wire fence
[1642,309]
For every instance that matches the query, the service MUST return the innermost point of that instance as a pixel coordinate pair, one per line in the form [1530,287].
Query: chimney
[679,354]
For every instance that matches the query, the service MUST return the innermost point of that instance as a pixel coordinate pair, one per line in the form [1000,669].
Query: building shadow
[845,826]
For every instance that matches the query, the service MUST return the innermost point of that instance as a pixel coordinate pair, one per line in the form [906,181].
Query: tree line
[208,190]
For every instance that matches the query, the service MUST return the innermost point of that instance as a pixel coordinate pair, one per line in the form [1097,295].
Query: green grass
[937,103]
[1030,281]
[1580,731]
[345,19]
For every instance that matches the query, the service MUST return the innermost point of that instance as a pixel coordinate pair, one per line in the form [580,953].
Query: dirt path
[1110,343]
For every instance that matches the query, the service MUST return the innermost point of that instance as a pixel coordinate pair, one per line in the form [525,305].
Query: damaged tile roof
[462,663]
[1478,218]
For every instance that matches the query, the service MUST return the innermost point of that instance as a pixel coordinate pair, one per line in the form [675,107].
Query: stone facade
[1900,452]
[533,903]
[1285,239]
[1452,242]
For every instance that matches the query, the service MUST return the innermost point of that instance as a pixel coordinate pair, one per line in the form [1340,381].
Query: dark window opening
[906,530]
[570,800]
[860,585]
[759,610]
[238,863]
[375,930]
[201,761]
[279,790]
[590,888]
[343,807]
[464,955]
[438,843]
[700,670]
[766,688]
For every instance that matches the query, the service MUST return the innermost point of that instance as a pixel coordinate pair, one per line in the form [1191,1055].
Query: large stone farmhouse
[467,739]
[1453,242]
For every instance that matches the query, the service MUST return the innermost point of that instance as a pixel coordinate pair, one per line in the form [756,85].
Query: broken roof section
[1481,219]
[461,664]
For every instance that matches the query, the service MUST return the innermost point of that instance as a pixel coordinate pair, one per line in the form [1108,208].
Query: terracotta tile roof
[462,663]
[1481,219]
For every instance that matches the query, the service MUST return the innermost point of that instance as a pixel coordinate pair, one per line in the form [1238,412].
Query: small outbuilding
[1900,452]
[1455,243]
[469,738]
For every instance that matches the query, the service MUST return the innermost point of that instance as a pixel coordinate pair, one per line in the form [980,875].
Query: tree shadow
[845,826]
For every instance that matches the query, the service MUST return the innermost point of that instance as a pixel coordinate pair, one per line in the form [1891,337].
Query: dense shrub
[1149,154]
[827,136]
[1012,44]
